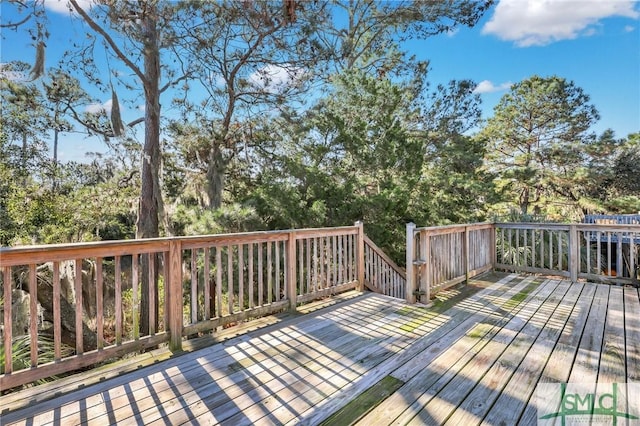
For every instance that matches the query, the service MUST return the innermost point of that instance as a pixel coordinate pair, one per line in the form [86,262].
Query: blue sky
[595,43]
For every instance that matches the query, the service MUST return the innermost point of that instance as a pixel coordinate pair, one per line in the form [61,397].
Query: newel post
[360,256]
[411,278]
[292,288]
[173,304]
[574,253]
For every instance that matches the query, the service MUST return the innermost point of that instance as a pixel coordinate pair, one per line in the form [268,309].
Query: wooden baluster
[99,303]
[79,307]
[241,277]
[33,314]
[277,275]
[118,299]
[57,324]
[194,286]
[315,266]
[230,286]
[219,282]
[135,287]
[269,273]
[152,261]
[8,321]
[250,277]
[260,276]
[309,265]
[207,283]
[300,289]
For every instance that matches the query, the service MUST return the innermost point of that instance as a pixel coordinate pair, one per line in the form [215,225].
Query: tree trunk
[150,195]
[23,160]
[216,169]
[524,201]
[54,178]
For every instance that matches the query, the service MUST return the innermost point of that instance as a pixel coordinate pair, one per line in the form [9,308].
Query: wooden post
[290,271]
[360,256]
[466,255]
[174,302]
[425,267]
[8,325]
[411,279]
[574,252]
[493,241]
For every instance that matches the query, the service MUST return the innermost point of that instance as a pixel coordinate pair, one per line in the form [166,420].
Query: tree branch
[97,28]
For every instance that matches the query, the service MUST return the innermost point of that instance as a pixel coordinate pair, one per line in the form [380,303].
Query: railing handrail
[13,256]
[564,226]
[445,229]
[232,276]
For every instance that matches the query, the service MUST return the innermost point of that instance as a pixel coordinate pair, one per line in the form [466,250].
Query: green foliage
[202,221]
[380,151]
[537,142]
[21,352]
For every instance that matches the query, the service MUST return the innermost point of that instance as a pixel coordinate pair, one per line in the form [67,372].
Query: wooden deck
[375,360]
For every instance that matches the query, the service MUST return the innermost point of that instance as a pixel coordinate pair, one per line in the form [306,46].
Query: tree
[249,58]
[62,93]
[612,179]
[383,151]
[626,167]
[138,48]
[366,33]
[24,119]
[537,138]
[136,33]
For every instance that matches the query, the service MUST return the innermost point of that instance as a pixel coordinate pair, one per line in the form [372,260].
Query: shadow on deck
[476,356]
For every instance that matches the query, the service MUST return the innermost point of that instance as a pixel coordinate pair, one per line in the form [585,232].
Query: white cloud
[275,77]
[452,32]
[629,28]
[486,86]
[63,7]
[97,107]
[541,22]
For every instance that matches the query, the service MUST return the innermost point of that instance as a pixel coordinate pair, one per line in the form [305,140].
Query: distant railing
[613,219]
[442,256]
[533,247]
[90,302]
[597,252]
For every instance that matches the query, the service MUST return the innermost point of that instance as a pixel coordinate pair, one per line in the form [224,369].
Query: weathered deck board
[632,333]
[558,364]
[479,402]
[461,318]
[476,362]
[518,392]
[443,401]
[438,359]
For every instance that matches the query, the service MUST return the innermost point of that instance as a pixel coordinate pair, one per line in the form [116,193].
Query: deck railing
[72,306]
[597,252]
[441,256]
[90,302]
